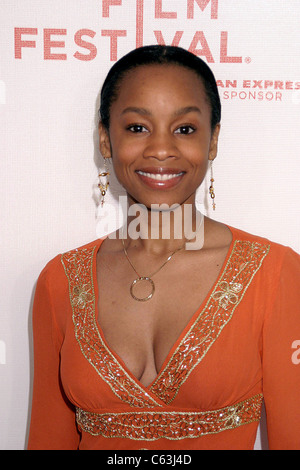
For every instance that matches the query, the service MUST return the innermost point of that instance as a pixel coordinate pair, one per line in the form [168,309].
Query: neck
[164,229]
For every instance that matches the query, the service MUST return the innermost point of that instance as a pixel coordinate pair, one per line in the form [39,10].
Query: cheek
[122,148]
[197,152]
[123,157]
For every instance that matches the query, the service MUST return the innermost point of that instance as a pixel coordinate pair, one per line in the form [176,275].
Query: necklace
[144,279]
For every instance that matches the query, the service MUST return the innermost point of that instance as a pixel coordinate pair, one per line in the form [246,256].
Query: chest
[225,331]
[143,333]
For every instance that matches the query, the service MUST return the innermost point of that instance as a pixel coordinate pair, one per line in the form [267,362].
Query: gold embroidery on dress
[243,263]
[245,260]
[228,294]
[81,296]
[173,425]
[78,265]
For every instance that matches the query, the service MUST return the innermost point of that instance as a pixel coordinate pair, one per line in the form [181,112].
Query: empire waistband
[174,425]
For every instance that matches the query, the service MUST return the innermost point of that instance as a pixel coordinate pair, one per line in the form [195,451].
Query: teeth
[159,176]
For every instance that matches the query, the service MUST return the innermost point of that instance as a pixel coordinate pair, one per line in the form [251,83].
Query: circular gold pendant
[142,279]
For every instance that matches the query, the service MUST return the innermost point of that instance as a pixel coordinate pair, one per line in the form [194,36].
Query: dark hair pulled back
[159,55]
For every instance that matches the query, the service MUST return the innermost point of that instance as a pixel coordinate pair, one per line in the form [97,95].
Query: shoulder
[278,254]
[83,249]
[54,270]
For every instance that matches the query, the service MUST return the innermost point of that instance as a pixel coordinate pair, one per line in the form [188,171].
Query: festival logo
[197,25]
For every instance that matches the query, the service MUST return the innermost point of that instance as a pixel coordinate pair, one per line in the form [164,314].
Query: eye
[187,129]
[137,128]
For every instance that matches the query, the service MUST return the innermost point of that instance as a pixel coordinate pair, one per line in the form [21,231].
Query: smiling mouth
[160,176]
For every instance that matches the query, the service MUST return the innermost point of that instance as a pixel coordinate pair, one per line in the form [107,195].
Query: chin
[162,203]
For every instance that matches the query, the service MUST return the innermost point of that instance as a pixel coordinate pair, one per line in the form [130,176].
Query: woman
[141,342]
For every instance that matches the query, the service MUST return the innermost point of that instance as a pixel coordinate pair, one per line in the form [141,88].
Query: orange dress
[241,347]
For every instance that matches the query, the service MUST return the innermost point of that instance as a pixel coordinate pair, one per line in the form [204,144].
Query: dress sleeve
[281,357]
[52,423]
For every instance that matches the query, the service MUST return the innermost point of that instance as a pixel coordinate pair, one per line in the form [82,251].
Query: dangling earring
[211,188]
[104,182]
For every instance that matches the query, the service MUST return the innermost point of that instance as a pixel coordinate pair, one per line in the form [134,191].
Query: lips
[160,178]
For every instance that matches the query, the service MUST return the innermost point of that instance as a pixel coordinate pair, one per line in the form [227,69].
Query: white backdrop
[54,56]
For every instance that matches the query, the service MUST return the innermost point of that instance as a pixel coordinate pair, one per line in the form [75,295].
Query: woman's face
[160,136]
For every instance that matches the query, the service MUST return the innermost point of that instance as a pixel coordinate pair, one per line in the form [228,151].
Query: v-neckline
[244,258]
[184,332]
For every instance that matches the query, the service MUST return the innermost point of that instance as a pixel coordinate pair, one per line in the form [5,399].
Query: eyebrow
[187,109]
[146,112]
[133,109]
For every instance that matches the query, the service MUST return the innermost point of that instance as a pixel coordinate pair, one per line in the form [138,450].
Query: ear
[213,147]
[104,142]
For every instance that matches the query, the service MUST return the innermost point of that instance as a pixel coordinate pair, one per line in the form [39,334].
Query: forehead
[161,82]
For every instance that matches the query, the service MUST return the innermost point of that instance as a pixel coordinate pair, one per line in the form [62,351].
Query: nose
[161,145]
